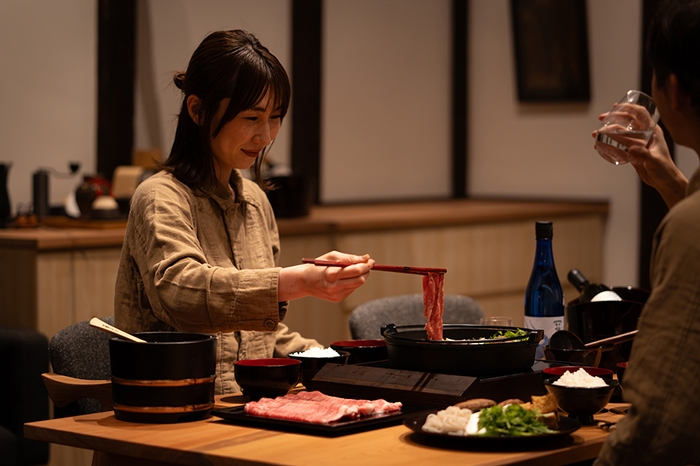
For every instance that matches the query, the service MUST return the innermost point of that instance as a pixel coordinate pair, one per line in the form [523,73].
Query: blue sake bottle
[544,298]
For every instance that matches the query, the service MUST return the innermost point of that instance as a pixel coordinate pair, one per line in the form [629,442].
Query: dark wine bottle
[544,298]
[587,290]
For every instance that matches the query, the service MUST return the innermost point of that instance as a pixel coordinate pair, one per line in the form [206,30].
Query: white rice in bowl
[580,379]
[317,352]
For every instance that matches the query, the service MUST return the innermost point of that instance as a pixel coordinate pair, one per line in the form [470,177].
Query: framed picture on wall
[551,50]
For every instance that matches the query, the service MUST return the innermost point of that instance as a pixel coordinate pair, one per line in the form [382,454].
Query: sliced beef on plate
[300,410]
[365,407]
[317,408]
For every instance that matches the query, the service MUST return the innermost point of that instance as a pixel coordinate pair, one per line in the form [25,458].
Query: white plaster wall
[48,86]
[386,100]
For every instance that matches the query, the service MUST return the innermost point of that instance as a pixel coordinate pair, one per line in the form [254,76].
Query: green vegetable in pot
[513,420]
[512,334]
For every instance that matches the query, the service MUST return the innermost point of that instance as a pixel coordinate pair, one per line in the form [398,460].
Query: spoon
[613,340]
[97,323]
[564,339]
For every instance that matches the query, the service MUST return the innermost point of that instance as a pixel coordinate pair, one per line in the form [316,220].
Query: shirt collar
[223,195]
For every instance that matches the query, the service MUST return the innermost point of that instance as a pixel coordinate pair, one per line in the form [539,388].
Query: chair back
[367,319]
[81,351]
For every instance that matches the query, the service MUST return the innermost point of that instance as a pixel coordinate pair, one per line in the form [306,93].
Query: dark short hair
[673,45]
[227,64]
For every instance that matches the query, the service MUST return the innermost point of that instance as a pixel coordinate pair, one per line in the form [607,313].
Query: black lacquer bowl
[362,351]
[269,377]
[558,371]
[310,365]
[581,402]
[578,356]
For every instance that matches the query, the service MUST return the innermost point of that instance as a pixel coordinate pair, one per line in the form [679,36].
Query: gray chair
[81,378]
[367,319]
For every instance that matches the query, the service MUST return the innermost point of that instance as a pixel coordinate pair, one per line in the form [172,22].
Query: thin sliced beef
[317,408]
[365,407]
[301,410]
[434,304]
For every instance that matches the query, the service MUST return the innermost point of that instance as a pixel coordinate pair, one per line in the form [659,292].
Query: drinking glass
[496,321]
[630,123]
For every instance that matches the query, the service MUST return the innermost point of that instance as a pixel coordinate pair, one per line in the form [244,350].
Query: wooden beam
[460,18]
[116,52]
[306,90]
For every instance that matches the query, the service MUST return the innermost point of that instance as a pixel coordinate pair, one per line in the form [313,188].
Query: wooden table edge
[112,450]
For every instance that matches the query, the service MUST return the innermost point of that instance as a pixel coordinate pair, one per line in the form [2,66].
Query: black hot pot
[169,379]
[462,352]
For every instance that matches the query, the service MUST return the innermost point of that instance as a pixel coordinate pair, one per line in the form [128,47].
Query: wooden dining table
[218,442]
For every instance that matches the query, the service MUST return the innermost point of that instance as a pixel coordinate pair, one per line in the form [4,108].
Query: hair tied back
[179,80]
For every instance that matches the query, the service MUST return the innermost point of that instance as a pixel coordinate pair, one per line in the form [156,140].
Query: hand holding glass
[630,123]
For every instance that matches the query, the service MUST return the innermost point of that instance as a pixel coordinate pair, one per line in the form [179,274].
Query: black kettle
[5,212]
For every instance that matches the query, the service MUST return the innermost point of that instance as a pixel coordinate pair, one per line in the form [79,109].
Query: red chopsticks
[379,267]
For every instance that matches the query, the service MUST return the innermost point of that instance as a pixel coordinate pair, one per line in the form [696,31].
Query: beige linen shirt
[663,378]
[205,264]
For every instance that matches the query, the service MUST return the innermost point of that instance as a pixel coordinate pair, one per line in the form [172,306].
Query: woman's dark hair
[673,45]
[227,64]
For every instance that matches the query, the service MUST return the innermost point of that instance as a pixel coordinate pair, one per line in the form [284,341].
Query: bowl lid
[359,343]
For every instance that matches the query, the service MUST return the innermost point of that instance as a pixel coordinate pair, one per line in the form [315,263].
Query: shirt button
[270,324]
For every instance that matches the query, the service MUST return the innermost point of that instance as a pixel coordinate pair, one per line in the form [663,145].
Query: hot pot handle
[387,327]
[535,337]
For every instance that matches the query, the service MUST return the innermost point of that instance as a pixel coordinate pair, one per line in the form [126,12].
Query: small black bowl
[575,356]
[557,371]
[268,378]
[581,402]
[362,350]
[310,365]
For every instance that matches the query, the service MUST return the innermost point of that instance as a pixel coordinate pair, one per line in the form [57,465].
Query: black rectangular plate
[236,415]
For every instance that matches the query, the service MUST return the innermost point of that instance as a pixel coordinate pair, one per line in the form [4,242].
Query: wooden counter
[57,239]
[403,215]
[51,277]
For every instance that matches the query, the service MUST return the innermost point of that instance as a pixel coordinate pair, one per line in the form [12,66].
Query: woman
[201,245]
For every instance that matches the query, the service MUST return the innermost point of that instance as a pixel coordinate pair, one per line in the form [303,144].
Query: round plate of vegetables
[499,426]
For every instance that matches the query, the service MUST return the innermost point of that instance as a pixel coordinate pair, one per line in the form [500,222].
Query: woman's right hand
[329,283]
[655,167]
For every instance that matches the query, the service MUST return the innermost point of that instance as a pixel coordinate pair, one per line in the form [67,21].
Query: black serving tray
[237,415]
[557,439]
